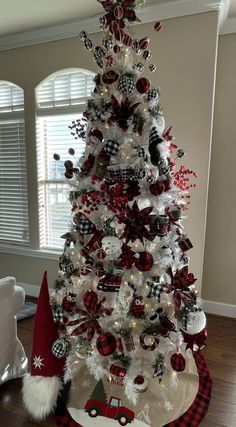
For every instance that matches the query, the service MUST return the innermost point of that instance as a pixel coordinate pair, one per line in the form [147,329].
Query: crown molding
[229,27]
[168,9]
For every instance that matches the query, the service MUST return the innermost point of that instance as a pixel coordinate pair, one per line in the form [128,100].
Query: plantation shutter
[14,223]
[60,100]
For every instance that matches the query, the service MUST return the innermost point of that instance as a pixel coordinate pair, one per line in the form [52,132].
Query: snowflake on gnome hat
[89,320]
[135,221]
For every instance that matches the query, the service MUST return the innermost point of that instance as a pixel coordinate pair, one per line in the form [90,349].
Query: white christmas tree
[124,300]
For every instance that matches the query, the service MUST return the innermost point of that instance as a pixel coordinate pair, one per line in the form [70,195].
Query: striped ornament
[108,43]
[154,137]
[158,26]
[144,43]
[147,55]
[88,44]
[152,68]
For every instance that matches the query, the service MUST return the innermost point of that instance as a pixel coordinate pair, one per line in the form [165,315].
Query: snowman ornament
[111,245]
[195,322]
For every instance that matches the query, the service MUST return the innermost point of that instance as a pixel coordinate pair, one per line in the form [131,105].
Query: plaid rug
[191,418]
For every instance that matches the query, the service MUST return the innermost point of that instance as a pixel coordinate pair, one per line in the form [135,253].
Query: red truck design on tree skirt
[97,405]
[113,410]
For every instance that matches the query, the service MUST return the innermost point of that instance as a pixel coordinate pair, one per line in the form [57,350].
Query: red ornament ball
[178,362]
[158,26]
[144,262]
[114,27]
[139,380]
[143,85]
[110,77]
[119,12]
[116,48]
[144,43]
[119,35]
[106,344]
[128,41]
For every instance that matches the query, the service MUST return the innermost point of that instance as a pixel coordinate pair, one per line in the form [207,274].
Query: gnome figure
[42,386]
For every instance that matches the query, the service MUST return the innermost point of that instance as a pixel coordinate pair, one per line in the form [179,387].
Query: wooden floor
[220,354]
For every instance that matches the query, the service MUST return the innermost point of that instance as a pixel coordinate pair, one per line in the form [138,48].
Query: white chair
[13,360]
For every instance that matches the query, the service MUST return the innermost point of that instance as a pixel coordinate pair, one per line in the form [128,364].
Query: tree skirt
[165,405]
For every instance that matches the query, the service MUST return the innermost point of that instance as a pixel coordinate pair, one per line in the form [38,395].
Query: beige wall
[185,53]
[220,255]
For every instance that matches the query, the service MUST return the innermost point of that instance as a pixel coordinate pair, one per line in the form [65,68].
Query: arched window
[61,98]
[14,224]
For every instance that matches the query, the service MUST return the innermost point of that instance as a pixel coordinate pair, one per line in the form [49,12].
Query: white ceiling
[25,15]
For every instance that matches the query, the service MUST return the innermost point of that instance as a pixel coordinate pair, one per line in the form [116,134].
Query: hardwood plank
[220,354]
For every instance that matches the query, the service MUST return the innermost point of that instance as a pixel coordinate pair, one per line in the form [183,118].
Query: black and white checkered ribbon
[156,289]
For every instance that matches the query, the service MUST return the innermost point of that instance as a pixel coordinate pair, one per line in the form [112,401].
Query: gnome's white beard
[40,395]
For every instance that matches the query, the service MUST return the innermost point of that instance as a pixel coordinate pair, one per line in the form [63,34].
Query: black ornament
[163,166]
[83,35]
[112,147]
[152,68]
[136,47]
[141,152]
[147,55]
[88,44]
[180,153]
[139,67]
[108,43]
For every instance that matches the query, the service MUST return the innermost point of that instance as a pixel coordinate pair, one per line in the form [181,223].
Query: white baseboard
[219,308]
[32,290]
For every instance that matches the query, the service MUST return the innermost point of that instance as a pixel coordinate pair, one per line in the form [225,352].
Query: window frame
[13,113]
[56,110]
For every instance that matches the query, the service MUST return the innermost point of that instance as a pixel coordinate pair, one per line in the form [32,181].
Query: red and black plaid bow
[135,221]
[89,321]
[198,339]
[180,283]
[121,112]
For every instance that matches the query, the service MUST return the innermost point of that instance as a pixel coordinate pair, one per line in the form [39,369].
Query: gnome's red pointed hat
[42,386]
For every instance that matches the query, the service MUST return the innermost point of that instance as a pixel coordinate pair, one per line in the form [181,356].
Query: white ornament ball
[195,324]
[111,245]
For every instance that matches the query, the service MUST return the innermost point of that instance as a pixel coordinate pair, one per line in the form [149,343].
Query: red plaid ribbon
[194,415]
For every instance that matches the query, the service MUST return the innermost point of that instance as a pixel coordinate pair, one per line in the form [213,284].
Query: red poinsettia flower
[136,221]
[89,320]
[122,112]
